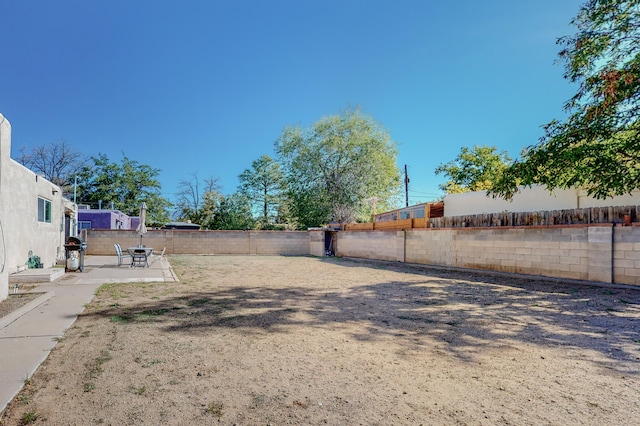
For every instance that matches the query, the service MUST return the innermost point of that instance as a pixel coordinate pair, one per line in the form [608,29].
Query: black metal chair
[139,258]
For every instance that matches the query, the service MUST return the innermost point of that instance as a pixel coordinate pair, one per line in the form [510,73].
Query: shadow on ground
[457,309]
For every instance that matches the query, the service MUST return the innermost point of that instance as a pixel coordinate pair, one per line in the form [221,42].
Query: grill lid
[75,243]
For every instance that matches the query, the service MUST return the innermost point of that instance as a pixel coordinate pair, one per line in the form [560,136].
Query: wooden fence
[390,225]
[617,214]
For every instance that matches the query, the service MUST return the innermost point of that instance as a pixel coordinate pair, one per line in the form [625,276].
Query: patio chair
[120,254]
[157,255]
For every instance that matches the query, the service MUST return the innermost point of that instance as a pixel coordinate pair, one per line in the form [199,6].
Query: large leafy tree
[232,212]
[335,166]
[123,186]
[475,169]
[264,185]
[58,162]
[598,146]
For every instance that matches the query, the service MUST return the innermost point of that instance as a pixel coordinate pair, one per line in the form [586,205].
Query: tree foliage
[232,212]
[475,169]
[202,202]
[124,186]
[335,166]
[57,162]
[264,185]
[194,199]
[598,146]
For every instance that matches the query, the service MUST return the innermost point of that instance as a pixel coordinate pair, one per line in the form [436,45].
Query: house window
[84,224]
[44,210]
[418,213]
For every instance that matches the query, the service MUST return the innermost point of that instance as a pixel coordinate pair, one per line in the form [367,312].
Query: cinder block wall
[626,255]
[603,253]
[280,243]
[210,242]
[100,242]
[429,247]
[382,245]
[316,243]
[562,252]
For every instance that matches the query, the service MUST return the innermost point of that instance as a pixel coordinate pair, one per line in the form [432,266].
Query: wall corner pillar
[600,257]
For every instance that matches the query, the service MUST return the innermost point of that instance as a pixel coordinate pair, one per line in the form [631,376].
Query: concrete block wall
[600,248]
[626,255]
[575,252]
[433,248]
[381,245]
[281,242]
[100,242]
[557,252]
[210,242]
[603,253]
[316,243]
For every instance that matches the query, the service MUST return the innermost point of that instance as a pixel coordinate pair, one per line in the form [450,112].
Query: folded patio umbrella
[142,228]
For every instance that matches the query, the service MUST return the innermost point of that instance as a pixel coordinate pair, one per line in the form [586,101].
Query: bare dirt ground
[15,302]
[307,341]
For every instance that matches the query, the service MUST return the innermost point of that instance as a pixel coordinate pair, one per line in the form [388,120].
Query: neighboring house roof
[434,209]
[181,225]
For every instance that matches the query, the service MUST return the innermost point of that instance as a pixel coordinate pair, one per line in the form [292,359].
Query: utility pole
[406,186]
[373,201]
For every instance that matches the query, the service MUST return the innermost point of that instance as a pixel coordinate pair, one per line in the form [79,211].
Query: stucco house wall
[21,232]
[535,198]
[5,155]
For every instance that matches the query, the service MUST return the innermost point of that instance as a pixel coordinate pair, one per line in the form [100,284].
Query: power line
[425,193]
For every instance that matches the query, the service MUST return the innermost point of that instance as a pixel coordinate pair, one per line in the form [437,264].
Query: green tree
[209,207]
[192,197]
[473,169]
[335,166]
[597,147]
[263,185]
[124,186]
[232,212]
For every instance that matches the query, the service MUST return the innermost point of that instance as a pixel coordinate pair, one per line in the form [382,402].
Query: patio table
[140,256]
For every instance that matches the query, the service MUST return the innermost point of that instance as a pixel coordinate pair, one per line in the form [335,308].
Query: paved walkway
[29,334]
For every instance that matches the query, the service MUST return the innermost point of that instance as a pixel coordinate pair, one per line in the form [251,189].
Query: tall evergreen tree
[264,185]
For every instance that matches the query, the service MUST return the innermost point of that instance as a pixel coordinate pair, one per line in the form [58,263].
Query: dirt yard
[308,341]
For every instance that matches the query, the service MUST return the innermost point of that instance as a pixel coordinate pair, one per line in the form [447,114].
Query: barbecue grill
[74,249]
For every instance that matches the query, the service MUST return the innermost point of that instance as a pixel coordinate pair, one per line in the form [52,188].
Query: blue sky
[206,86]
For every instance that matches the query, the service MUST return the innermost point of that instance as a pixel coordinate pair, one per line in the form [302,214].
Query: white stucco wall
[25,233]
[536,198]
[584,201]
[22,232]
[5,152]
